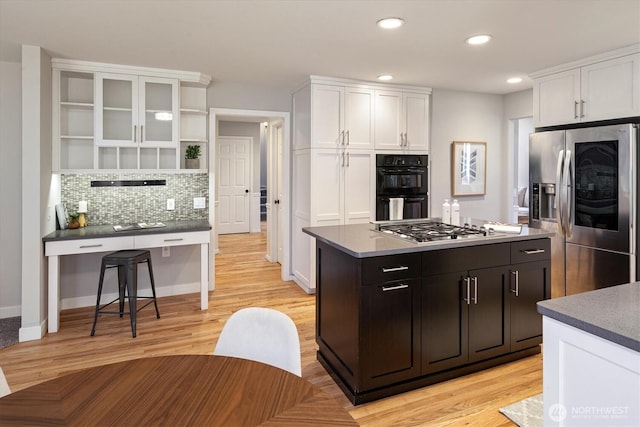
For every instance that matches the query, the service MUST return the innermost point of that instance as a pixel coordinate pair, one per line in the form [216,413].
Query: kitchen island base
[399,321]
[359,397]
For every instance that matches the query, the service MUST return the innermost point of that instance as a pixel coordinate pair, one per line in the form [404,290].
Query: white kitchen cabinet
[116,117]
[598,88]
[193,122]
[73,119]
[136,122]
[401,121]
[342,185]
[341,117]
[333,176]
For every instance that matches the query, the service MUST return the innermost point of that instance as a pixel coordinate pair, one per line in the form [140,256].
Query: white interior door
[234,184]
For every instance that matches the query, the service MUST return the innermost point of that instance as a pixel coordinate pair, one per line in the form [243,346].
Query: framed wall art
[468,168]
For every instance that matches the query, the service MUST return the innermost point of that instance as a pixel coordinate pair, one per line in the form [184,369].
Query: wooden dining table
[193,390]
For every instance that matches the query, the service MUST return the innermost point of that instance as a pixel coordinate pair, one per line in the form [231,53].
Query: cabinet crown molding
[314,79]
[88,66]
[624,51]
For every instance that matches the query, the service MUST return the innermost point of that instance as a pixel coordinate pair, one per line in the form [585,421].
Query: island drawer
[467,258]
[390,267]
[530,250]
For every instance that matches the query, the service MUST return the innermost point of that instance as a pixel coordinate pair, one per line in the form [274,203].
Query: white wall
[10,188]
[36,187]
[243,97]
[466,116]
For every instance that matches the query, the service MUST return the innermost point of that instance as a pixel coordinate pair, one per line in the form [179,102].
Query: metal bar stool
[127,262]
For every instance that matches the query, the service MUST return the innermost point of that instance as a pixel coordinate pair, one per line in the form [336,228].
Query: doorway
[520,129]
[276,205]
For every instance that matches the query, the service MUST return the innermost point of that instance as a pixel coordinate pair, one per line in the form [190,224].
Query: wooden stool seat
[127,262]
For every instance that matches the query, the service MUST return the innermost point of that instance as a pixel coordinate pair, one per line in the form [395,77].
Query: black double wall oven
[402,176]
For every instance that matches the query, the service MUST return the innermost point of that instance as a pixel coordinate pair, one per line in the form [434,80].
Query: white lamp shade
[82,207]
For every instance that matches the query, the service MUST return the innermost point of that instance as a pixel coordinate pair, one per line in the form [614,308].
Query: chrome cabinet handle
[394,288]
[90,246]
[516,273]
[533,251]
[141,133]
[135,133]
[406,140]
[347,159]
[467,299]
[582,102]
[475,290]
[392,269]
[341,138]
[575,109]
[342,160]
[174,240]
[348,138]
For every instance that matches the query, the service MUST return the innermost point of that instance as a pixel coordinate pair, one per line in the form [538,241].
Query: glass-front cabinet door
[136,122]
[159,112]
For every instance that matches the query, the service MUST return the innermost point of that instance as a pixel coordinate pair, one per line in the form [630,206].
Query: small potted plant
[192,157]
[73,222]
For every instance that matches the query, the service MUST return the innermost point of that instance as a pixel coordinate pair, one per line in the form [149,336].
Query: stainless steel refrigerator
[582,185]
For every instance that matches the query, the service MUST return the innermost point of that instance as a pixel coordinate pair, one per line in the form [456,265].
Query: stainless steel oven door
[600,187]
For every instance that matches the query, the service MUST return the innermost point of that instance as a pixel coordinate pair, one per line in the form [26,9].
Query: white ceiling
[278,43]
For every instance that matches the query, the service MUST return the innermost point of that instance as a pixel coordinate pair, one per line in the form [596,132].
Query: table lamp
[82,209]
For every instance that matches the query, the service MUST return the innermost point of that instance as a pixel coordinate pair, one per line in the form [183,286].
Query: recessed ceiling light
[388,23]
[514,80]
[479,39]
[385,77]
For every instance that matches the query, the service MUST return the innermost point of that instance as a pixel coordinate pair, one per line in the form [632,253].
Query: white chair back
[4,387]
[263,335]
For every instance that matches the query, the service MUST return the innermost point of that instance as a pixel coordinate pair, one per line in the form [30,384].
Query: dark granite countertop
[361,241]
[101,231]
[611,313]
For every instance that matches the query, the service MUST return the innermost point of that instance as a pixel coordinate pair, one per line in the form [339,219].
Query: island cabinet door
[489,328]
[530,283]
[390,328]
[445,325]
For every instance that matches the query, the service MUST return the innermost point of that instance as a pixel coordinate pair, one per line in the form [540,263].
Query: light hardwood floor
[244,278]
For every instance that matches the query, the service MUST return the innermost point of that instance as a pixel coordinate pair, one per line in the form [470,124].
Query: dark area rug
[9,331]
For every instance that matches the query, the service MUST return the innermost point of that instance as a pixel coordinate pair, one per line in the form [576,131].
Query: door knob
[276,201]
[246,191]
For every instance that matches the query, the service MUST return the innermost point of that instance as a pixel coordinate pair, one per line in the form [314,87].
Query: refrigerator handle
[568,199]
[559,190]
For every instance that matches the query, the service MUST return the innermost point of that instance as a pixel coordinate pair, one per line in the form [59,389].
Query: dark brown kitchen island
[393,315]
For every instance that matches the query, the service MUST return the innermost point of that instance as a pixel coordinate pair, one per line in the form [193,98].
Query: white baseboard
[32,333]
[304,286]
[161,291]
[10,311]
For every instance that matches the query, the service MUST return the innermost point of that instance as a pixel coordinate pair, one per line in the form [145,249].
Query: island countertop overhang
[362,241]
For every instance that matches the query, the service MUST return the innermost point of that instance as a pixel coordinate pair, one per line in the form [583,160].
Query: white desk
[54,249]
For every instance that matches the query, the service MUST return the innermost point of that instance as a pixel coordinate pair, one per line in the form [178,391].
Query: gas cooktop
[424,231]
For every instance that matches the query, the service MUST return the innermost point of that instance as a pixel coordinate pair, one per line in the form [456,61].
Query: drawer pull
[394,288]
[90,246]
[533,251]
[392,269]
[174,240]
